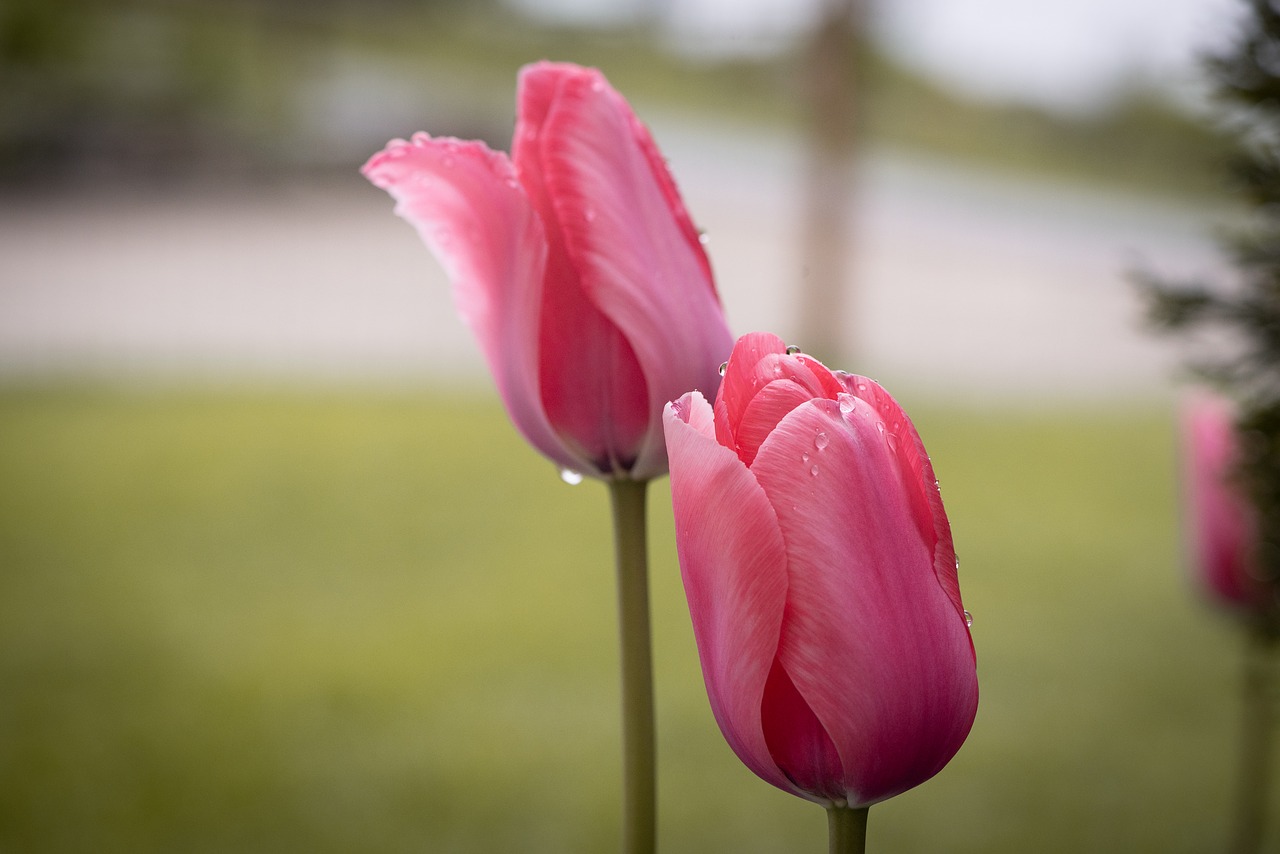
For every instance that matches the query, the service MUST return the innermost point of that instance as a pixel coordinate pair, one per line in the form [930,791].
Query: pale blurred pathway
[966,284]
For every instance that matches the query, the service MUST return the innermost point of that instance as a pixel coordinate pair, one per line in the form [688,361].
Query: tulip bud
[821,578]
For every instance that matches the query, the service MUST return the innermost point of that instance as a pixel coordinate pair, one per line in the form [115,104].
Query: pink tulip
[821,579]
[1221,519]
[575,265]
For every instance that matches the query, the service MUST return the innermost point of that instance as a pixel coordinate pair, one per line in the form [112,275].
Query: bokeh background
[276,574]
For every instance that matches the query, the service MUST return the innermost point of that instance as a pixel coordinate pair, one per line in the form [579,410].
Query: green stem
[639,788]
[847,830]
[1256,739]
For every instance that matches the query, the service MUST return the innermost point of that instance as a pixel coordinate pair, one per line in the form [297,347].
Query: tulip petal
[628,236]
[733,563]
[895,690]
[600,404]
[921,484]
[798,743]
[464,201]
[760,379]
[741,381]
[763,412]
[1223,524]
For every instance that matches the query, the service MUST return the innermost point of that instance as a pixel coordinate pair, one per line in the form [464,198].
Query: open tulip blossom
[575,264]
[822,581]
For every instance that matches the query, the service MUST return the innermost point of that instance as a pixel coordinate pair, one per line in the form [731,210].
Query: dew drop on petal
[821,441]
[814,471]
[968,619]
[846,403]
[724,366]
[792,349]
[703,238]
[804,458]
[571,477]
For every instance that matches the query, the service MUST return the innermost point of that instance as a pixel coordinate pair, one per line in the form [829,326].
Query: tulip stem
[1256,738]
[847,830]
[639,787]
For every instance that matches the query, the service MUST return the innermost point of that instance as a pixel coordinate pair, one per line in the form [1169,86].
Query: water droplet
[804,458]
[957,563]
[724,366]
[846,403]
[968,619]
[792,349]
[571,477]
[814,471]
[703,238]
[821,441]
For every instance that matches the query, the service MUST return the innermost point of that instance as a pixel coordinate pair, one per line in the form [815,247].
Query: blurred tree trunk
[831,110]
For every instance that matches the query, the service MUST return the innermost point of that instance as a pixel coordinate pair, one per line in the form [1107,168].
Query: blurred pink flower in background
[1221,522]
[821,578]
[575,264]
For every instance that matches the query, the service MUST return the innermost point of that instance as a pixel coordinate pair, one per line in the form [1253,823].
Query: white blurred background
[181,199]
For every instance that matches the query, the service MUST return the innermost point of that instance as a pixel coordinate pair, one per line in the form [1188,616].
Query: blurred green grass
[375,621]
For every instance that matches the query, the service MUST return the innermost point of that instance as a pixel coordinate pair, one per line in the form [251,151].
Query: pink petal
[593,387]
[465,202]
[871,638]
[625,232]
[1222,521]
[732,560]
[741,380]
[918,479]
[769,406]
[798,743]
[758,362]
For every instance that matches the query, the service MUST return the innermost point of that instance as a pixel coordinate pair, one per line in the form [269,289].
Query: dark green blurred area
[149,90]
[340,621]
